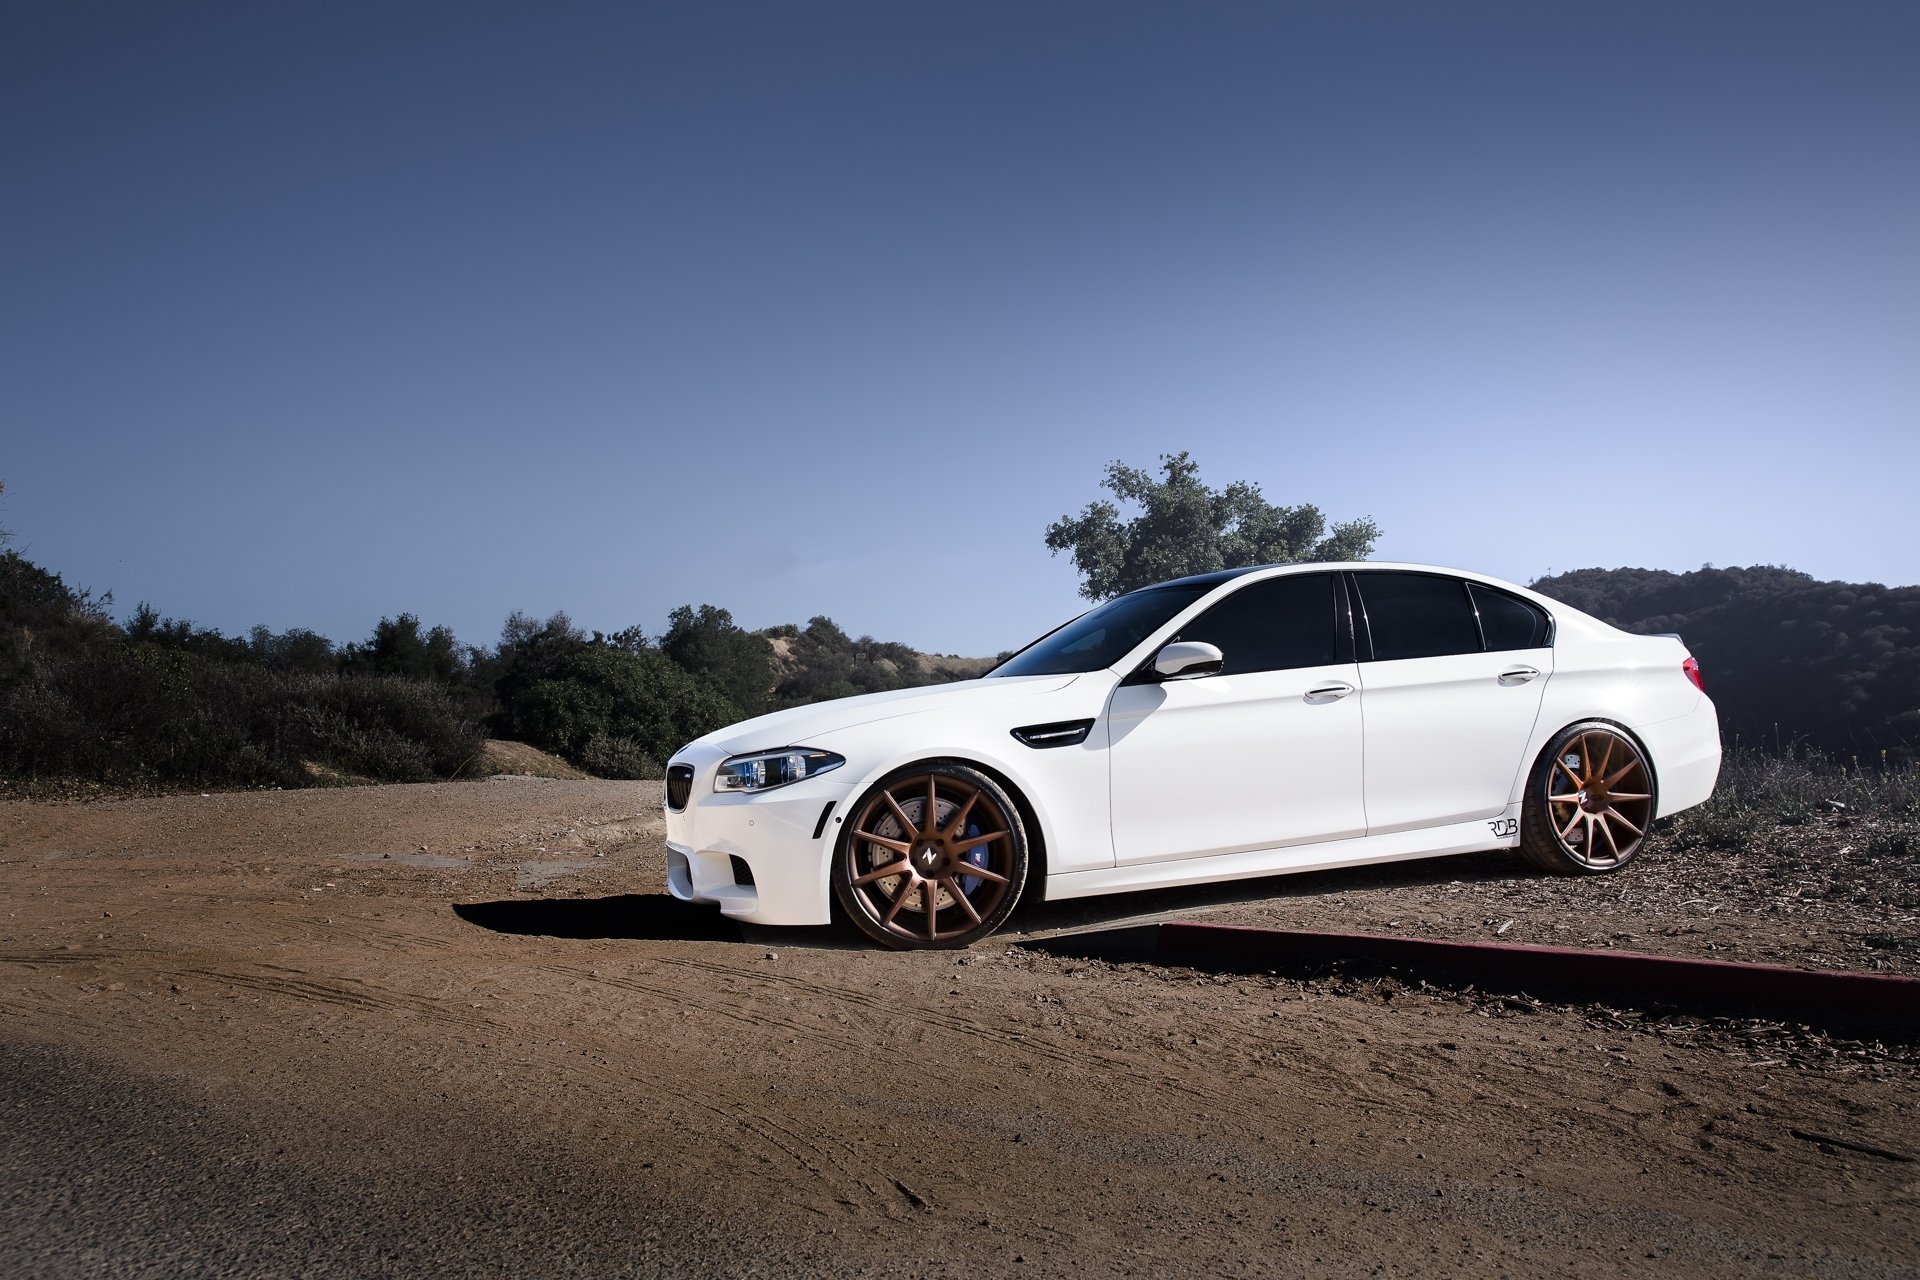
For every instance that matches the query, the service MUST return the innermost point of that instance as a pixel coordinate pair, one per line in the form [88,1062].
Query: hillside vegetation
[1791,661]
[160,702]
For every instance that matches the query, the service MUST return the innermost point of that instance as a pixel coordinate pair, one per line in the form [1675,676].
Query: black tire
[1590,801]
[967,867]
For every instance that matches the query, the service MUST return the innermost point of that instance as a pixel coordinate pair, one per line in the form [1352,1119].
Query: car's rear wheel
[935,856]
[1590,801]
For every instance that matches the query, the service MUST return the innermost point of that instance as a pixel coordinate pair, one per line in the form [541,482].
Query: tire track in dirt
[34,959]
[1368,1087]
[808,1148]
[391,939]
[1026,1042]
[303,988]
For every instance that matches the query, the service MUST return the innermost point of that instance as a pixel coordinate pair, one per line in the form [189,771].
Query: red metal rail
[1523,966]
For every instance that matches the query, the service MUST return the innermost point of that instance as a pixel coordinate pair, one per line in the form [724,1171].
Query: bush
[138,715]
[385,727]
[560,691]
[165,703]
[609,756]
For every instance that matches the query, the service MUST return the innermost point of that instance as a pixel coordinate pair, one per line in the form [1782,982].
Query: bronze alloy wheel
[935,857]
[1590,802]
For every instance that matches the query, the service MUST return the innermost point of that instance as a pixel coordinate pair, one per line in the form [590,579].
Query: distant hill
[1789,660]
[821,661]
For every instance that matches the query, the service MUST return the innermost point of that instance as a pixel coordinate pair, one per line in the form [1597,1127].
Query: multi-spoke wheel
[935,856]
[1589,802]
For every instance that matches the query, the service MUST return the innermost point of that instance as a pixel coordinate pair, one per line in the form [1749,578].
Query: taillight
[1692,669]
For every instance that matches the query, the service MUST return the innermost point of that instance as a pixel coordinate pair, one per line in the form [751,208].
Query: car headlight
[765,770]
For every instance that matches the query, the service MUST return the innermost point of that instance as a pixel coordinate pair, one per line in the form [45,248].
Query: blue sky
[311,313]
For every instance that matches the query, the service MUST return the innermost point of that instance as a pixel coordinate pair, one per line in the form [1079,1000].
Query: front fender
[1065,788]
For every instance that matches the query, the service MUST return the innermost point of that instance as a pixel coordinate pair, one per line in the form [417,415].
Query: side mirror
[1189,658]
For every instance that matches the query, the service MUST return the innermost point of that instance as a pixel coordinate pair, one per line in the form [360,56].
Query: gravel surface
[458,1028]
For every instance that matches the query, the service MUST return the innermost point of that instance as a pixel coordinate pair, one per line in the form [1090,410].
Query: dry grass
[517,759]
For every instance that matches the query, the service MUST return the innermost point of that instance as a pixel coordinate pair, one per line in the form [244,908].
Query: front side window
[1273,625]
[1417,615]
[1101,637]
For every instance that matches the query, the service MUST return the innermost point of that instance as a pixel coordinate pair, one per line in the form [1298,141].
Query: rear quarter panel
[1603,673]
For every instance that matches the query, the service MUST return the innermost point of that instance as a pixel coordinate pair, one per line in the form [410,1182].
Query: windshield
[1101,637]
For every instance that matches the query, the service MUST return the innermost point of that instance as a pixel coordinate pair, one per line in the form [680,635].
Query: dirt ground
[461,1029]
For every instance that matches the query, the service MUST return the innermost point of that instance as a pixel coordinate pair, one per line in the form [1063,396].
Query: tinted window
[1101,637]
[1271,625]
[1508,622]
[1416,615]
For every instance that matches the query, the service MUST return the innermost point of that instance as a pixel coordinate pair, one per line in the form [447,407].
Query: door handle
[1518,675]
[1329,692]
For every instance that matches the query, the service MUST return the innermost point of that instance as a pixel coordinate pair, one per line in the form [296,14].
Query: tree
[399,647]
[1183,527]
[297,651]
[706,643]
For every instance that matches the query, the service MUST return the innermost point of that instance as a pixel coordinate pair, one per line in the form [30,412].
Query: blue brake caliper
[977,856]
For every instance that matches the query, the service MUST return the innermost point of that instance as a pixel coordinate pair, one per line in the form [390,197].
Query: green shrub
[171,705]
[707,644]
[610,756]
[559,691]
[385,727]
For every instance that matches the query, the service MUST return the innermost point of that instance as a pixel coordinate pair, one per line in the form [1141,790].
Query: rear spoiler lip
[1675,637]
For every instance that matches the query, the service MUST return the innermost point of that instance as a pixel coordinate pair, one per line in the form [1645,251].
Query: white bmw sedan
[1244,723]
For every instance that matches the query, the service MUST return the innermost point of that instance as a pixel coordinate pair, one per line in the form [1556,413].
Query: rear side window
[1272,625]
[1507,621]
[1417,615]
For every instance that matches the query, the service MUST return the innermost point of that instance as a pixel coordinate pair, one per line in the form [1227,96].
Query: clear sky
[311,313]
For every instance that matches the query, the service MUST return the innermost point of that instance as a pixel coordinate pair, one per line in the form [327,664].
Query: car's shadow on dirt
[1110,909]
[662,918]
[655,916]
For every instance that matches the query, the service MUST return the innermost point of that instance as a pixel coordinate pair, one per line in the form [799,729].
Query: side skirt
[1427,842]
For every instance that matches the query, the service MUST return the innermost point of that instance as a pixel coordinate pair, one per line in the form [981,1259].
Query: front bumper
[770,834]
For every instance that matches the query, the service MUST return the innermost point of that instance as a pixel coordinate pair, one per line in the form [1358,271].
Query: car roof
[1313,566]
[1219,576]
[1208,579]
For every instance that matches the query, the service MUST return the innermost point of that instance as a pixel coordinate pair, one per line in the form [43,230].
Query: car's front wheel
[936,856]
[1590,801]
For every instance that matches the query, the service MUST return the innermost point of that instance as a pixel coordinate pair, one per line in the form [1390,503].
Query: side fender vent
[1061,733]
